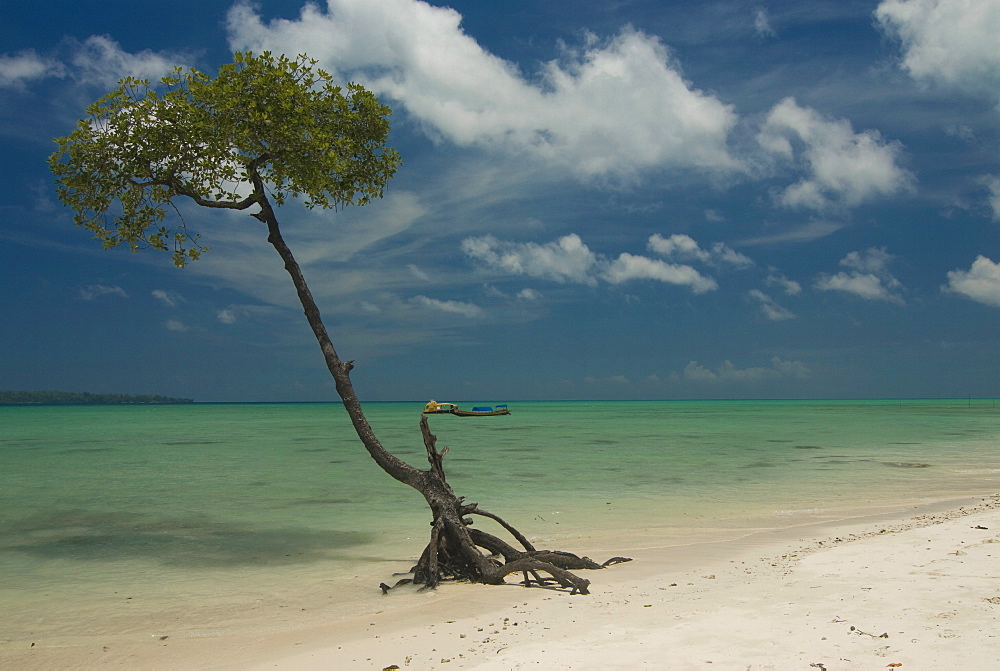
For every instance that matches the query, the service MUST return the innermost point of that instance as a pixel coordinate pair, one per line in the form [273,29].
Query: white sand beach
[919,590]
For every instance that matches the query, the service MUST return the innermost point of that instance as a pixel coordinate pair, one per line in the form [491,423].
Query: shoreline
[822,594]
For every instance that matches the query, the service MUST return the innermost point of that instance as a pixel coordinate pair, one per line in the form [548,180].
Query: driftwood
[456,551]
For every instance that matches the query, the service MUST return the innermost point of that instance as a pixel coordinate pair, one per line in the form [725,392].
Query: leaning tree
[265,130]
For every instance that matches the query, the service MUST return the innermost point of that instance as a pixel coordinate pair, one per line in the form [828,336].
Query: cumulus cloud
[90,292]
[684,247]
[769,308]
[843,168]
[609,107]
[628,267]
[25,66]
[867,277]
[175,325]
[569,260]
[453,307]
[776,279]
[949,42]
[728,372]
[981,282]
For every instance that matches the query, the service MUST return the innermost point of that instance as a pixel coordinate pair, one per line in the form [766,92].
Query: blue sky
[598,200]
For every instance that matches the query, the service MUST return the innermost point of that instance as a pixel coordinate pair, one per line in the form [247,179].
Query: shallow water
[131,520]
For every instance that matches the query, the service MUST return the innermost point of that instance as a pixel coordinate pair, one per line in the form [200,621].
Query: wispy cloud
[992,183]
[807,232]
[769,308]
[175,325]
[728,372]
[981,282]
[454,307]
[25,66]
[867,277]
[168,298]
[92,291]
[762,24]
[97,61]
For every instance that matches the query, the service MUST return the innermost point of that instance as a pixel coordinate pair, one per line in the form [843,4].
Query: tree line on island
[82,398]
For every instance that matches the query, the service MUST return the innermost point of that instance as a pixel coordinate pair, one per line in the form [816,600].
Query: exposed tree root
[456,551]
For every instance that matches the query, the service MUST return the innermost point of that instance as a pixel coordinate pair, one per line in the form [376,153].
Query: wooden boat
[435,408]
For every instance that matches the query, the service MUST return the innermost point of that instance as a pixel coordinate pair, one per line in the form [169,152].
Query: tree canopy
[264,126]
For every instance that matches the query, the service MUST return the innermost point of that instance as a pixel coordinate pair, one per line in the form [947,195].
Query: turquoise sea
[125,522]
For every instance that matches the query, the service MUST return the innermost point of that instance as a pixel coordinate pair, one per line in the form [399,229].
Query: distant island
[82,398]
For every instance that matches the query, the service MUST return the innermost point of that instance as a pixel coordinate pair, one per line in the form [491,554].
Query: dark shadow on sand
[194,541]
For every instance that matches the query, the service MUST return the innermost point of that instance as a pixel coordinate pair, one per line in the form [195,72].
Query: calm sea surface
[133,521]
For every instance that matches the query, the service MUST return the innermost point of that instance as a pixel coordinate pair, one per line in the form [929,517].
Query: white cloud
[676,245]
[728,372]
[992,183]
[776,279]
[864,285]
[101,61]
[812,230]
[872,260]
[843,168]
[609,108]
[569,260]
[951,42]
[175,325]
[762,24]
[867,278]
[684,247]
[981,282]
[168,298]
[418,273]
[25,66]
[97,61]
[770,309]
[454,307]
[628,267]
[529,295]
[93,291]
[564,260]
[227,316]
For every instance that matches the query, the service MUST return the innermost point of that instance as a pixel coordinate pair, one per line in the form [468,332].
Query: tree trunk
[455,549]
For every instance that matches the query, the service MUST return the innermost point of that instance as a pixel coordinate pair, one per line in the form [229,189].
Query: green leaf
[208,139]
